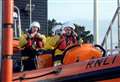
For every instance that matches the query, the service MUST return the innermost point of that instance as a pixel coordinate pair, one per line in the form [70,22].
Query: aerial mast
[118,5]
[30,11]
[95,22]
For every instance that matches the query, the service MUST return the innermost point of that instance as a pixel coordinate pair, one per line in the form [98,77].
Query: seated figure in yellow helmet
[53,41]
[31,42]
[67,38]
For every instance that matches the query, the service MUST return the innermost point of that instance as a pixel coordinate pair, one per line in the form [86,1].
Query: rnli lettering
[114,59]
[89,65]
[105,61]
[100,62]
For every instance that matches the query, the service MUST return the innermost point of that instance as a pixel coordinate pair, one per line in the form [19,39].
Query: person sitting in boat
[68,38]
[53,38]
[34,42]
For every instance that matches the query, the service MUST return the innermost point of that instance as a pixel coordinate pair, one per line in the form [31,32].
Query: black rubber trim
[5,25]
[70,48]
[103,50]
[7,57]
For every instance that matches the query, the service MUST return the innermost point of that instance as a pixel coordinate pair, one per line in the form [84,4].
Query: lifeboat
[105,69]
[73,54]
[79,62]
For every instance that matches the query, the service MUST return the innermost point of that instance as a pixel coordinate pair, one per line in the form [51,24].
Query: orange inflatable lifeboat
[82,52]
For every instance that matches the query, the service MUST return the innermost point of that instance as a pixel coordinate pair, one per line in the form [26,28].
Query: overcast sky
[82,12]
[65,10]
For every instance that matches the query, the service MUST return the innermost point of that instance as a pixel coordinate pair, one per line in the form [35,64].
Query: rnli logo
[102,62]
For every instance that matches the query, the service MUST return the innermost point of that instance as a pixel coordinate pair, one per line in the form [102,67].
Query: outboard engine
[82,52]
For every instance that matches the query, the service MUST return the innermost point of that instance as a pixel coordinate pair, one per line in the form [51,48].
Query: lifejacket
[51,42]
[35,42]
[31,44]
[66,41]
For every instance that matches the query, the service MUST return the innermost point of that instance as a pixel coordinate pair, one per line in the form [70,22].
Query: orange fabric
[8,11]
[7,41]
[44,61]
[16,46]
[7,72]
[7,45]
[81,53]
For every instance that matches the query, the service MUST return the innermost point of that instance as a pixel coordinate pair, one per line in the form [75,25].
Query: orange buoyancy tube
[81,53]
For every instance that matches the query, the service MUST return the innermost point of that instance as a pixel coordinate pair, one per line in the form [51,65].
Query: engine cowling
[81,53]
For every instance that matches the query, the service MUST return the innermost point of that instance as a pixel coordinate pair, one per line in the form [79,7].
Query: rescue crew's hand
[31,35]
[41,37]
[38,35]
